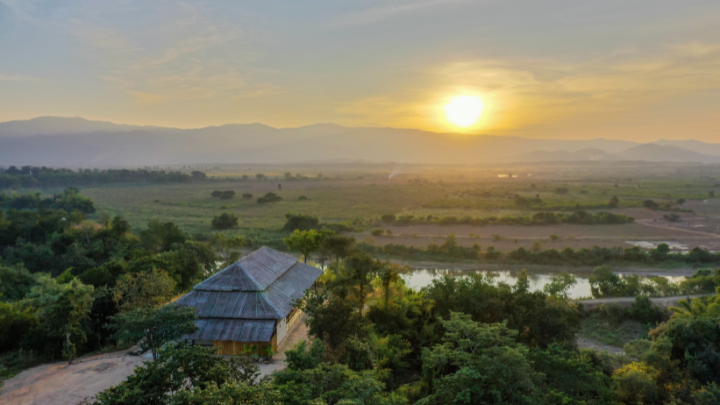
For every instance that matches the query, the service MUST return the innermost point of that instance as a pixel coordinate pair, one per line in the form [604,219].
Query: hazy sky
[630,69]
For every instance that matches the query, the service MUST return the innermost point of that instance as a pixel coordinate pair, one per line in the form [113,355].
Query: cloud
[522,95]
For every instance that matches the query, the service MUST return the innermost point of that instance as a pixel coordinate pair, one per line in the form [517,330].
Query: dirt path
[647,223]
[60,384]
[63,384]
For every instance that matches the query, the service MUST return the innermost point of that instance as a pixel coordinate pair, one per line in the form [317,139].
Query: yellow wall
[230,348]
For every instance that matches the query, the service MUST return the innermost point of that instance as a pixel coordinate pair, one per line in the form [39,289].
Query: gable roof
[254,272]
[230,296]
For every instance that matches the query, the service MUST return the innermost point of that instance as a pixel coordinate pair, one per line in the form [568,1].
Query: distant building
[250,302]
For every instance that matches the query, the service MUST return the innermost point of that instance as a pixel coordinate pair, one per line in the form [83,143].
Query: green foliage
[144,290]
[225,221]
[151,328]
[300,222]
[15,283]
[300,357]
[539,321]
[479,363]
[60,310]
[15,322]
[183,375]
[377,232]
[305,242]
[574,376]
[559,285]
[228,247]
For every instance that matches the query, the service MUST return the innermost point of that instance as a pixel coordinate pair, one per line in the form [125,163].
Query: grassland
[360,199]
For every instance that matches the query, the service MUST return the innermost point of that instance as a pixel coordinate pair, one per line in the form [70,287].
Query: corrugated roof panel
[236,330]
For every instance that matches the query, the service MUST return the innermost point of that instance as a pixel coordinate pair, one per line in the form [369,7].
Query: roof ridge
[247,273]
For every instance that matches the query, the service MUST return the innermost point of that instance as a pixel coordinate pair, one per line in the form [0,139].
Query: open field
[360,202]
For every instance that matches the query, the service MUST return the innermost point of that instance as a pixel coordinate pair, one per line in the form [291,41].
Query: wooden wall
[230,348]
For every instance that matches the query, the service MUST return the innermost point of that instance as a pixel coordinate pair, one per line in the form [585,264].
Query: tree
[225,221]
[559,285]
[605,283]
[160,236]
[354,277]
[260,176]
[614,202]
[389,273]
[60,310]
[305,242]
[151,328]
[228,247]
[340,246]
[247,196]
[143,290]
[300,222]
[198,175]
[189,375]
[479,364]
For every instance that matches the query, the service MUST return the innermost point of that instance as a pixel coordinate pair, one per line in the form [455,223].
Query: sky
[639,70]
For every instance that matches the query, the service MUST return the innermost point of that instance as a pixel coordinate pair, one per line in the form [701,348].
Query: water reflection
[423,277]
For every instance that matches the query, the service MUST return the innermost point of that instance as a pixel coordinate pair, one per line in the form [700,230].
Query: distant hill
[651,152]
[561,156]
[60,141]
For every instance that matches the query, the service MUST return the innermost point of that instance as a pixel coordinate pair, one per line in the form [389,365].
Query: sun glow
[464,111]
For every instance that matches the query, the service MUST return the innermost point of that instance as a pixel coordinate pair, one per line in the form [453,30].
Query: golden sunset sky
[639,70]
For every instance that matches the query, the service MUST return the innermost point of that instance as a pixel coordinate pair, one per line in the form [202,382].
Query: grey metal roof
[235,330]
[230,304]
[254,272]
[217,297]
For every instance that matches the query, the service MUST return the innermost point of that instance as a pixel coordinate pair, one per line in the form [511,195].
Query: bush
[377,231]
[302,198]
[300,222]
[227,195]
[388,218]
[225,221]
[561,190]
[247,196]
[269,198]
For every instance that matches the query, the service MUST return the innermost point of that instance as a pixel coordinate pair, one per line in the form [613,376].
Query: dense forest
[70,286]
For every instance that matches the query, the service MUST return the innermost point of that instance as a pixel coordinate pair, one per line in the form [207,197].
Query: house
[249,303]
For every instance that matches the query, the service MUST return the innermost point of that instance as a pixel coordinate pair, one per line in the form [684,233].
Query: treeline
[31,176]
[541,218]
[594,256]
[69,200]
[604,283]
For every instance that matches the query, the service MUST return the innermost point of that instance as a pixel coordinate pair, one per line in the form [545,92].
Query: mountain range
[57,141]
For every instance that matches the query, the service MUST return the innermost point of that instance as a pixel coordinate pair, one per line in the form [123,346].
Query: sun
[464,111]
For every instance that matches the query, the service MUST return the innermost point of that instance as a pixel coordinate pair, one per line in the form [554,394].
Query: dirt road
[60,384]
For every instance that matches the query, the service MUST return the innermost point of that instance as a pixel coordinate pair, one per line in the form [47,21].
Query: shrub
[247,196]
[216,194]
[388,218]
[377,231]
[302,198]
[300,222]
[227,195]
[269,198]
[561,190]
[225,221]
